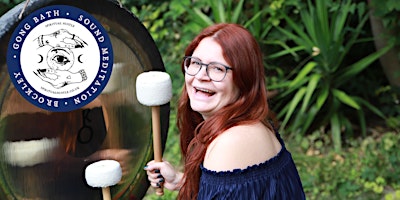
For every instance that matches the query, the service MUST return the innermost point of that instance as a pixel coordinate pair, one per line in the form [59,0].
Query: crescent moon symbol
[79,58]
[41,58]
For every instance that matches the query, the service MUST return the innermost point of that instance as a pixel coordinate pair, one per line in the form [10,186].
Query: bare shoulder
[241,146]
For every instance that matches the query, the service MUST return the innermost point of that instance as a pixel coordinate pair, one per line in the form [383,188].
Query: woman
[229,147]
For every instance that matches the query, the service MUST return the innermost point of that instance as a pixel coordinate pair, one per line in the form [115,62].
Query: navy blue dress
[276,178]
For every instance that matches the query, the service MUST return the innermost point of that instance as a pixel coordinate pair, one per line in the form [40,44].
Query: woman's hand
[163,174]
[60,78]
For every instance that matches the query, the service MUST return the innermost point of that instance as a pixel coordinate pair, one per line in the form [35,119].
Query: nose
[202,74]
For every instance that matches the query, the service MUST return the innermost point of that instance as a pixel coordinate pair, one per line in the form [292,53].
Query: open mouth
[204,91]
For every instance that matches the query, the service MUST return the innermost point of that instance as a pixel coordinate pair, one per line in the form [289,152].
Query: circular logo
[60,58]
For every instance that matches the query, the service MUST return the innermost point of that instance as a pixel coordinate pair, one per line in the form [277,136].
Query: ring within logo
[60,58]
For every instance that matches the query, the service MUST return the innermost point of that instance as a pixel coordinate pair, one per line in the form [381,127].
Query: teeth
[204,90]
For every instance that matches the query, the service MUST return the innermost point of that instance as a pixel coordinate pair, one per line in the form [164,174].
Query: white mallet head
[103,173]
[29,153]
[153,88]
[116,81]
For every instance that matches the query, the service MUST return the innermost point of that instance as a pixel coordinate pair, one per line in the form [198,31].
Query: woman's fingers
[153,170]
[156,180]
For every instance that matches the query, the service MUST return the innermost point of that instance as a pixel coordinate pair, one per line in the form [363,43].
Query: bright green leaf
[312,84]
[206,21]
[293,104]
[357,67]
[303,73]
[323,95]
[346,99]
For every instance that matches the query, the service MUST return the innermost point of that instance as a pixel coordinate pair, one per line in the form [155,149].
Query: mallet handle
[106,193]
[155,115]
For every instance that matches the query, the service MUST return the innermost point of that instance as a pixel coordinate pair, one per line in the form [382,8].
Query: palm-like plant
[317,94]
[250,14]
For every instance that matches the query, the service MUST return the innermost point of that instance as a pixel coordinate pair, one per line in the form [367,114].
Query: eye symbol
[61,60]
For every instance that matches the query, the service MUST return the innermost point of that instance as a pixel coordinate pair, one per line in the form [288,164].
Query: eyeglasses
[215,71]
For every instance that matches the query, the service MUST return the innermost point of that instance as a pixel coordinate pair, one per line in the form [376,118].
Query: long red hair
[243,54]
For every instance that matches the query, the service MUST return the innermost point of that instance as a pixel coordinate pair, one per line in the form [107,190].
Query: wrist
[77,77]
[40,41]
[178,181]
[83,74]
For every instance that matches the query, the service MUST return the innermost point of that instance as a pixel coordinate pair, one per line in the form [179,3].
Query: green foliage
[367,169]
[389,12]
[6,5]
[221,11]
[389,101]
[257,16]
[168,195]
[315,95]
[250,14]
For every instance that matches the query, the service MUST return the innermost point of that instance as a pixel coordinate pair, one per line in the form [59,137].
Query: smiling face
[206,96]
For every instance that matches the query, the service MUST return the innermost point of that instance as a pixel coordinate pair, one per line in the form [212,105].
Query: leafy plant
[315,95]
[6,5]
[366,169]
[389,11]
[255,15]
[221,11]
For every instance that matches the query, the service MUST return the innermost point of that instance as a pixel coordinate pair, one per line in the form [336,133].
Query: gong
[44,153]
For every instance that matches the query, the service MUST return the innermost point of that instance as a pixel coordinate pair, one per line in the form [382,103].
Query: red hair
[243,54]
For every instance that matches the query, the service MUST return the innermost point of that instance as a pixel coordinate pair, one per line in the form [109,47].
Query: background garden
[333,73]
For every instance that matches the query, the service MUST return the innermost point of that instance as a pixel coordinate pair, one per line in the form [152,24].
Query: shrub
[315,95]
[366,169]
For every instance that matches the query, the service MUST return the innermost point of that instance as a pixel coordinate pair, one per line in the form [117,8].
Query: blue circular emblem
[60,58]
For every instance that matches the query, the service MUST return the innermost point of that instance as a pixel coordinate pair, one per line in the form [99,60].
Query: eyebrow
[211,61]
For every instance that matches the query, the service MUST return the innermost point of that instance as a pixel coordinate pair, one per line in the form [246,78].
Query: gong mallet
[154,88]
[103,174]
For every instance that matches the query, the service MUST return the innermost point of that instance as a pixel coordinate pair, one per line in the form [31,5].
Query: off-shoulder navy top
[276,178]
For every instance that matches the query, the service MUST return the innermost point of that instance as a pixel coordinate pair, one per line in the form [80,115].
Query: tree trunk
[390,61]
